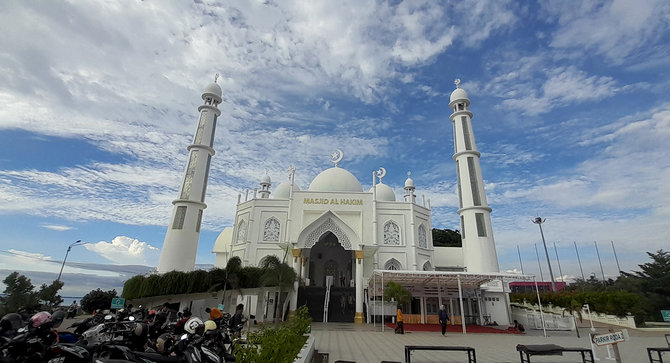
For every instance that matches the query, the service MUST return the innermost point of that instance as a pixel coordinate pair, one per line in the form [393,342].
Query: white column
[423,310]
[296,284]
[358,318]
[460,300]
[451,309]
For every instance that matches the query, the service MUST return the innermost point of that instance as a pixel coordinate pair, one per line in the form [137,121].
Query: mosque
[339,237]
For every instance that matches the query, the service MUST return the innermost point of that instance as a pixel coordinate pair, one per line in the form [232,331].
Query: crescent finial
[381,173]
[457,82]
[336,157]
[216,77]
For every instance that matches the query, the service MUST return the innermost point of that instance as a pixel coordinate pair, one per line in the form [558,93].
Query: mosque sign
[333,201]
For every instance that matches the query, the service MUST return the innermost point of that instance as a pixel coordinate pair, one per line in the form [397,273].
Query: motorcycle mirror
[185,336]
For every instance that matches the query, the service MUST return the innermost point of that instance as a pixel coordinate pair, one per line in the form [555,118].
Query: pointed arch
[392,264]
[423,237]
[241,231]
[391,234]
[271,229]
[427,266]
[328,222]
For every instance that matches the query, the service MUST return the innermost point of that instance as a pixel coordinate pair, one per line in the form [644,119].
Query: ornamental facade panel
[241,231]
[392,264]
[422,236]
[271,229]
[391,234]
[328,226]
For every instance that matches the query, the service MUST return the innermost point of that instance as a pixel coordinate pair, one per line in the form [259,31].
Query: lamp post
[539,222]
[77,243]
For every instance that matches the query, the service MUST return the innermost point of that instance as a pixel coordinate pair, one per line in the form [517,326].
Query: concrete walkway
[364,343]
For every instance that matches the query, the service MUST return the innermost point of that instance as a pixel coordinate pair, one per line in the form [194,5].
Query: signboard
[118,303]
[666,315]
[611,338]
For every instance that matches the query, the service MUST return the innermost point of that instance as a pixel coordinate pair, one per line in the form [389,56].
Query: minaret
[479,250]
[266,182]
[181,239]
[409,189]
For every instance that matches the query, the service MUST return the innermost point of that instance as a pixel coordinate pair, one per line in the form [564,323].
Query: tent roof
[442,278]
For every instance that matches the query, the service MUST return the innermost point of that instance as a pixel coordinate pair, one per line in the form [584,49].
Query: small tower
[409,189]
[181,240]
[479,250]
[266,182]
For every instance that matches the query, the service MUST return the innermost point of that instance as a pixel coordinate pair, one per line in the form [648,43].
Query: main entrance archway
[329,258]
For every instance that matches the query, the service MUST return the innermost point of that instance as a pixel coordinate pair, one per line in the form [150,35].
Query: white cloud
[125,250]
[56,227]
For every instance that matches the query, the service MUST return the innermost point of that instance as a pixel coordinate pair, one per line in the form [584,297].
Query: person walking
[444,319]
[400,326]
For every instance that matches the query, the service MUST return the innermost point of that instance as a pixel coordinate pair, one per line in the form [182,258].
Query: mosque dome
[214,89]
[335,180]
[409,183]
[224,240]
[283,190]
[266,179]
[458,94]
[384,193]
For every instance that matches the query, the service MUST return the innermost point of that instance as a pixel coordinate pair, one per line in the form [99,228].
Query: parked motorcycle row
[120,337]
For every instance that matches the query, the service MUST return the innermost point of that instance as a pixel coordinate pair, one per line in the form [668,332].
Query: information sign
[611,338]
[118,303]
[666,315]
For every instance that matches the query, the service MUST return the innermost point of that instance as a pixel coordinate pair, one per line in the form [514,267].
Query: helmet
[57,318]
[210,325]
[164,343]
[194,325]
[140,329]
[40,318]
[11,321]
[152,312]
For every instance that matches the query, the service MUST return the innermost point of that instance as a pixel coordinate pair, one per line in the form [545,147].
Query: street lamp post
[77,243]
[539,222]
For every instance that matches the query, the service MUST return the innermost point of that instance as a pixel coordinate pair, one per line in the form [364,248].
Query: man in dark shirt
[444,318]
[236,320]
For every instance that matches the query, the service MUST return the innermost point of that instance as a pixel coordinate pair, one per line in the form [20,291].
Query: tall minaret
[181,239]
[479,250]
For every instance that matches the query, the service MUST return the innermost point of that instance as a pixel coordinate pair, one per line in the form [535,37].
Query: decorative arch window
[241,231]
[422,237]
[427,266]
[391,234]
[271,230]
[392,264]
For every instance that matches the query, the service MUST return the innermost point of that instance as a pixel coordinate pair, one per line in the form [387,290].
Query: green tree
[276,273]
[652,283]
[97,299]
[48,295]
[20,294]
[446,238]
[397,293]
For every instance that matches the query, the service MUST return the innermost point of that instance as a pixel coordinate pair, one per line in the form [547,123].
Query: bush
[276,345]
[97,300]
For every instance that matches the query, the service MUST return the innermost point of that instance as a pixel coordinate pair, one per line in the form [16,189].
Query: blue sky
[99,101]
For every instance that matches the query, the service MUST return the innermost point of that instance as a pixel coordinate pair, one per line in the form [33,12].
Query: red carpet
[477,329]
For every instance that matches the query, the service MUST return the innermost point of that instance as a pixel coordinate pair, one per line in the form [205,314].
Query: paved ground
[364,343]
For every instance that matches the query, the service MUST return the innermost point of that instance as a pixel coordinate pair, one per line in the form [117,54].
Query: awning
[445,278]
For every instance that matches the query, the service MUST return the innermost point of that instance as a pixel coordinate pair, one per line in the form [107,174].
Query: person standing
[400,326]
[444,319]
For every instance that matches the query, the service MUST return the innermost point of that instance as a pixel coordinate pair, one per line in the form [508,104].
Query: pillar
[294,296]
[358,318]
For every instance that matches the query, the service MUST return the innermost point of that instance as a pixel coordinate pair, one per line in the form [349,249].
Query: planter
[307,351]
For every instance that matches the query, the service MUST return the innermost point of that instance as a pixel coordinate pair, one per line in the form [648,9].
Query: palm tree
[278,274]
[396,292]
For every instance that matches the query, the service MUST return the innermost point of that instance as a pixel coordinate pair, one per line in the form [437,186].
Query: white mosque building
[336,228]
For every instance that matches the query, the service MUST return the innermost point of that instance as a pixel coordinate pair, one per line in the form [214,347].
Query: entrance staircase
[314,297]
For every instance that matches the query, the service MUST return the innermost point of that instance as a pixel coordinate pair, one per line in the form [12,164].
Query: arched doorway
[328,258]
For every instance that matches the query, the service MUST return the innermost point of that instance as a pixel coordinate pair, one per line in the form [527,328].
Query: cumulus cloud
[125,250]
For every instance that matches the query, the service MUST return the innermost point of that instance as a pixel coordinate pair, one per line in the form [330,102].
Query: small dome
[214,89]
[458,94]
[224,240]
[335,180]
[409,183]
[384,193]
[283,190]
[266,179]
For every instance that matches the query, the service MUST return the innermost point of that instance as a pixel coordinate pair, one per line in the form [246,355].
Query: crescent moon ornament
[336,157]
[457,82]
[381,173]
